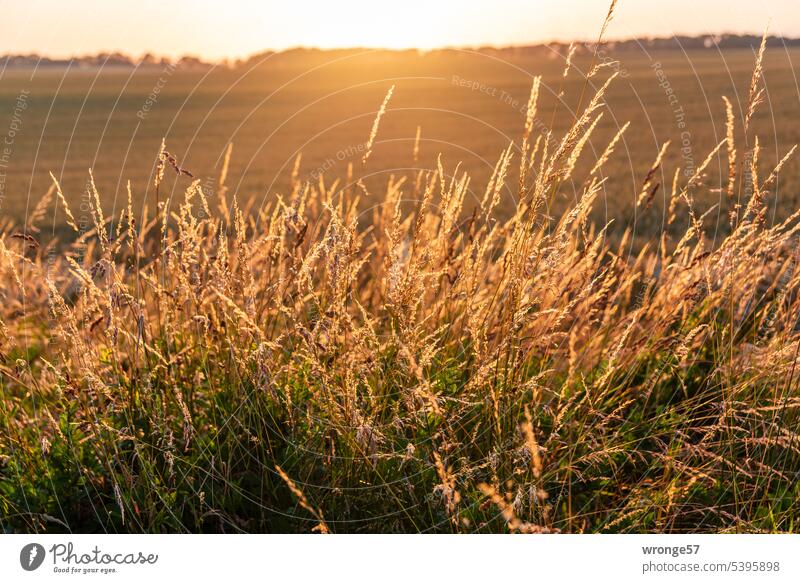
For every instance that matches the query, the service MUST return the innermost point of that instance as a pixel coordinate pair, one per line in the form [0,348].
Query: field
[418,347]
[469,106]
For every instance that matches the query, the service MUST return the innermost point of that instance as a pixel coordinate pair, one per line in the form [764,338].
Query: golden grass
[340,361]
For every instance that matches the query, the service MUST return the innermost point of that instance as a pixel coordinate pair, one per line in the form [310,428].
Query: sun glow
[393,25]
[239,28]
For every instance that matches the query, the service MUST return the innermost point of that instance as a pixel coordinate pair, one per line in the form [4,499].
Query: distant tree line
[678,42]
[115,59]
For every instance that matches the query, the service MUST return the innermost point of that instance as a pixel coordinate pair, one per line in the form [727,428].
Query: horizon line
[138,57]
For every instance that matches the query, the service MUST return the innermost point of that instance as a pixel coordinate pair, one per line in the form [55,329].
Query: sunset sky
[237,28]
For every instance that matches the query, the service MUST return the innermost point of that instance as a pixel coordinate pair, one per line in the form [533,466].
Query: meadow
[467,106]
[396,343]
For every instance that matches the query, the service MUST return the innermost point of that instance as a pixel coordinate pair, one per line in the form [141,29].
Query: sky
[238,28]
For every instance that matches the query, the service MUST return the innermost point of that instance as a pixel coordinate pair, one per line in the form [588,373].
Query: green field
[469,106]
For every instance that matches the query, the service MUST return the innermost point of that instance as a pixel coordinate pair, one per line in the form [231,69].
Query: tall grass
[347,361]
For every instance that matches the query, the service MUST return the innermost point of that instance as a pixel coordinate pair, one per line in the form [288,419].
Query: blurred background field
[469,105]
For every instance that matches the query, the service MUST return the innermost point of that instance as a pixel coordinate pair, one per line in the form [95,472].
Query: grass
[340,360]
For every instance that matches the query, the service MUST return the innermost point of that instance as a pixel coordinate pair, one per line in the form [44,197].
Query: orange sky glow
[237,28]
